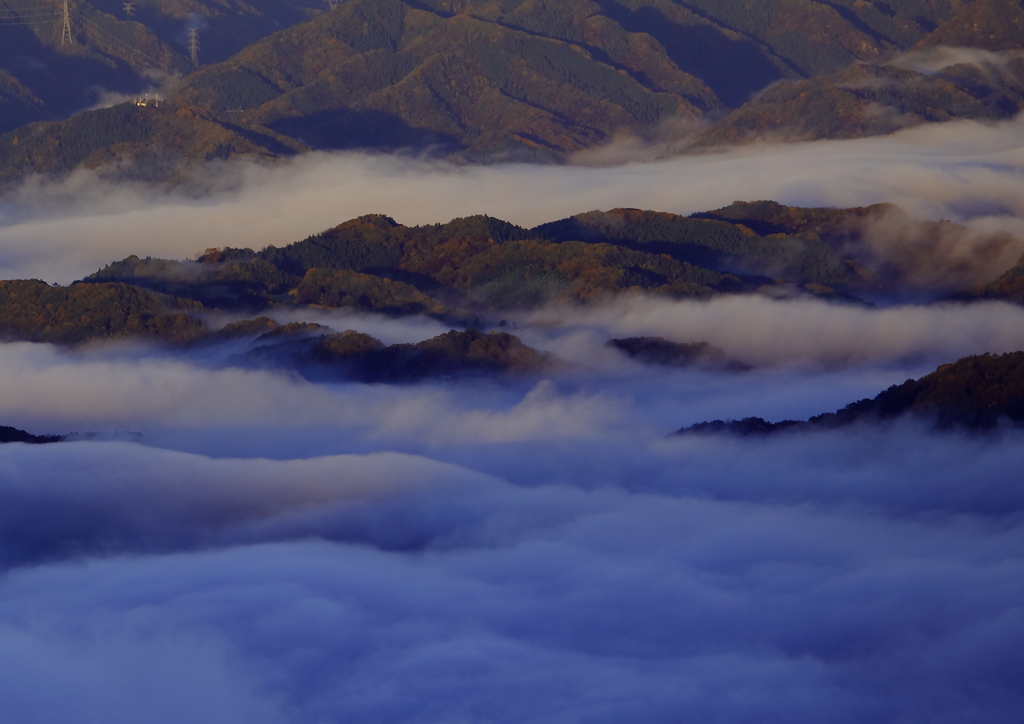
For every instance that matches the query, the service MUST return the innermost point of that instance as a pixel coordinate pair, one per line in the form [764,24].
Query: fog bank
[227,543]
[243,545]
[391,587]
[964,171]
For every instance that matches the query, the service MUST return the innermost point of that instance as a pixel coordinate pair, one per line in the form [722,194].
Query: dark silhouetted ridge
[13,434]
[975,393]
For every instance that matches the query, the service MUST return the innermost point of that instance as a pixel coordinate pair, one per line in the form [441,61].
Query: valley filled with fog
[223,542]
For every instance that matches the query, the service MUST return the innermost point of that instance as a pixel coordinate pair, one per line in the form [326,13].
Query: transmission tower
[331,4]
[193,45]
[129,9]
[65,38]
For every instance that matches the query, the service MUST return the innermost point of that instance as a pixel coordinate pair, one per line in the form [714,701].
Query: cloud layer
[243,545]
[274,550]
[391,587]
[60,232]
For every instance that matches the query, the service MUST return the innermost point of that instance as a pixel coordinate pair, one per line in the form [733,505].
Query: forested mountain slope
[974,393]
[225,26]
[478,265]
[537,79]
[385,73]
[483,80]
[129,142]
[987,24]
[43,79]
[935,81]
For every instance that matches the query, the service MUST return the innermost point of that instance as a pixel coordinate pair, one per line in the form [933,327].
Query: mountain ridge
[974,393]
[486,81]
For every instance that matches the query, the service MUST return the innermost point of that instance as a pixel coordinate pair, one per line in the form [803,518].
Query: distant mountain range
[1008,287]
[473,266]
[483,80]
[470,271]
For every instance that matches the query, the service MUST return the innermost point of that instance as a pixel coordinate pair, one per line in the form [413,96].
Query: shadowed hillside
[43,79]
[936,81]
[872,100]
[974,393]
[482,80]
[387,74]
[472,265]
[357,356]
[478,267]
[33,311]
[13,434]
[480,263]
[225,26]
[987,24]
[127,142]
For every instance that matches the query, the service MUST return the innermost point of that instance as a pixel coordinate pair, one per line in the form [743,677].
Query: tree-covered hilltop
[797,256]
[1009,287]
[360,357]
[43,79]
[770,217]
[458,270]
[129,142]
[478,267]
[221,278]
[883,246]
[987,24]
[224,27]
[13,434]
[375,264]
[873,100]
[666,353]
[974,393]
[936,82]
[392,73]
[480,263]
[34,311]
[319,353]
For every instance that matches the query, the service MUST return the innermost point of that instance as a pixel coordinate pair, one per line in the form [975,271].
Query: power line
[63,13]
[48,13]
[98,34]
[49,21]
[40,15]
[35,15]
[30,10]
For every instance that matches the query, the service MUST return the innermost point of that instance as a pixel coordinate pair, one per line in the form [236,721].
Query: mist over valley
[477,361]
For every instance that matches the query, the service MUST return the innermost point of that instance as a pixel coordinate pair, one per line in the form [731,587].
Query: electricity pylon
[193,45]
[129,9]
[65,37]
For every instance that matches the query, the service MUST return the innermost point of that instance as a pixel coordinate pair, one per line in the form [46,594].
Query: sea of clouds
[230,544]
[60,231]
[222,543]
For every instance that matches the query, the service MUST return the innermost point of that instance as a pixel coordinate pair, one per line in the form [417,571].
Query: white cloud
[64,231]
[799,331]
[857,574]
